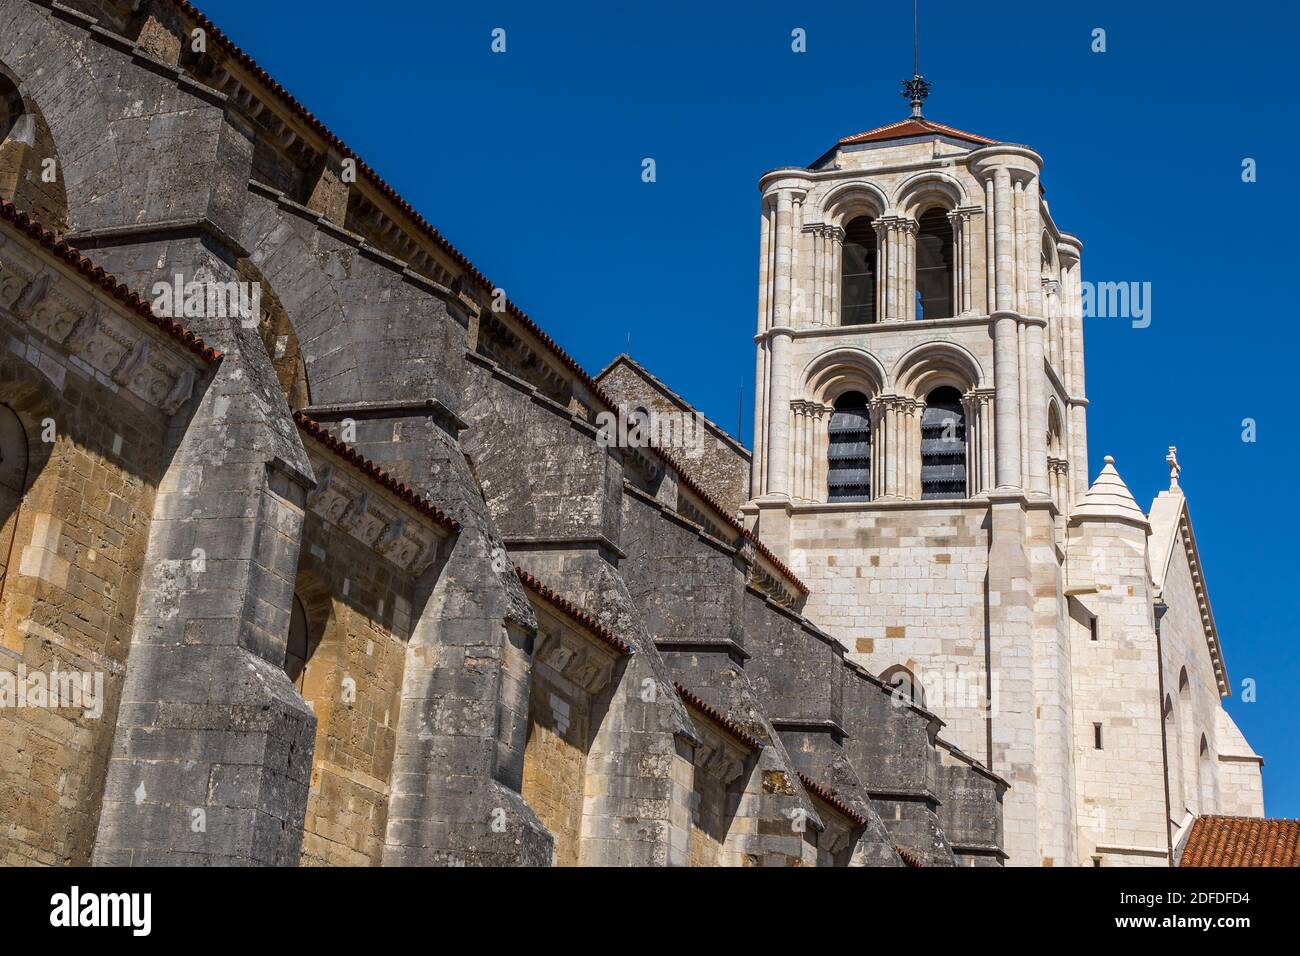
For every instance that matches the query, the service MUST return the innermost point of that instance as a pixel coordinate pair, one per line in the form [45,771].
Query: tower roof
[1109,498]
[913,126]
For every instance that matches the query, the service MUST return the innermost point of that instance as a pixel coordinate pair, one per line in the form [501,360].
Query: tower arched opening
[848,474]
[859,271]
[943,445]
[934,265]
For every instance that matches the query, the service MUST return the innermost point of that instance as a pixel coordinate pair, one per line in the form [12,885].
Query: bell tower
[920,433]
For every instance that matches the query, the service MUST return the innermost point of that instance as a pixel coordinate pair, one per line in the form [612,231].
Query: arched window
[858,302]
[943,445]
[848,476]
[934,275]
[300,646]
[13,483]
[904,682]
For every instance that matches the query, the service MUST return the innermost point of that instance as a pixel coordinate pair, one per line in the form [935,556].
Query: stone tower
[920,436]
[920,460]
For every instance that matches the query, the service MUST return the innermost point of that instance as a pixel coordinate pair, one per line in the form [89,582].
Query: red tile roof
[287,99]
[583,617]
[363,464]
[1242,841]
[909,859]
[97,275]
[913,127]
[697,703]
[823,794]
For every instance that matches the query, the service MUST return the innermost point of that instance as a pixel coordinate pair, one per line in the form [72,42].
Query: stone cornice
[360,498]
[101,336]
[875,328]
[135,232]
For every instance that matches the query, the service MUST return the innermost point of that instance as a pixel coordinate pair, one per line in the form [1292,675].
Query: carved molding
[575,657]
[347,500]
[116,349]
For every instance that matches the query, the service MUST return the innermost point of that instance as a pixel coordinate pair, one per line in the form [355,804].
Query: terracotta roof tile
[825,795]
[1242,841]
[697,703]
[583,617]
[913,127]
[909,859]
[97,275]
[317,431]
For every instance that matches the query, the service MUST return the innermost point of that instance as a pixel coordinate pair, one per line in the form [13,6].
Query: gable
[1178,575]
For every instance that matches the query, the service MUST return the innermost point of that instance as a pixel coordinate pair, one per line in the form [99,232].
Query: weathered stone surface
[307,662]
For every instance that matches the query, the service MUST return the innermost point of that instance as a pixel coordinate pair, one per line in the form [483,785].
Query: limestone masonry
[314,550]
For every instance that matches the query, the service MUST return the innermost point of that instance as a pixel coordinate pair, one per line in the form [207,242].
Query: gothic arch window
[300,648]
[13,485]
[1055,342]
[858,296]
[943,445]
[904,683]
[848,475]
[934,265]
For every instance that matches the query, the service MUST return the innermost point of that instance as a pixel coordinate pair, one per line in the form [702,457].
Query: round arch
[842,370]
[847,201]
[925,190]
[904,682]
[936,364]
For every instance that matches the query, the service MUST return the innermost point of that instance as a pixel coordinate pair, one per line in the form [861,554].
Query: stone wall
[75,548]
[444,716]
[716,460]
[359,619]
[904,585]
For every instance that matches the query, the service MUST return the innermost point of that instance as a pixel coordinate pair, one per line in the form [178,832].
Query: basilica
[331,552]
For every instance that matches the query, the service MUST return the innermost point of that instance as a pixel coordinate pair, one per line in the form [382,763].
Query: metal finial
[917,88]
[915,91]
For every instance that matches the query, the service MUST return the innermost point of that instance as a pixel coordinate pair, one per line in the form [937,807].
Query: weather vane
[917,88]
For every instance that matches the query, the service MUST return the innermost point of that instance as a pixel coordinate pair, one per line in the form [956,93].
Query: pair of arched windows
[943,448]
[860,269]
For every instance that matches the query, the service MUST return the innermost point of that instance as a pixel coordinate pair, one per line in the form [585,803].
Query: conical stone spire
[1109,499]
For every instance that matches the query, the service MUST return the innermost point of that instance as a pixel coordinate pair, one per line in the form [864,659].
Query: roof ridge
[922,124]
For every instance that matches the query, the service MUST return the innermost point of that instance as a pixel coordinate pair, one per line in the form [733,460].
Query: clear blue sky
[530,163]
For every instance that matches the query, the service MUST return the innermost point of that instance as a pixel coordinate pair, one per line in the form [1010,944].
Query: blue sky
[530,162]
